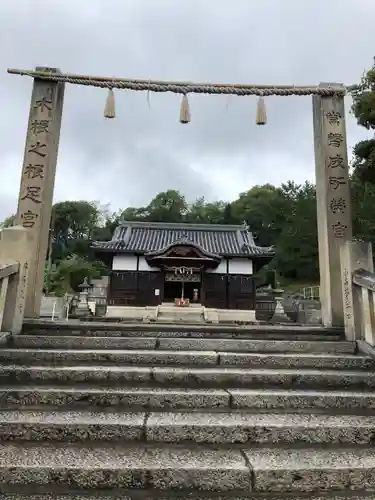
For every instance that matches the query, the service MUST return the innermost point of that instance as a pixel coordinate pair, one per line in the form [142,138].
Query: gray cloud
[145,150]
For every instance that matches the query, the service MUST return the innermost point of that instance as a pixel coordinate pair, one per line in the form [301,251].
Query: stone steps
[180,398]
[245,335]
[189,376]
[237,427]
[173,343]
[186,358]
[145,495]
[111,411]
[262,332]
[245,470]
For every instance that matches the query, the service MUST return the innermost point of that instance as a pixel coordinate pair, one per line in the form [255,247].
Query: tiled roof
[145,237]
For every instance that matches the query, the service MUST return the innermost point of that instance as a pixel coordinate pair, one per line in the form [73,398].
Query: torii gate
[331,160]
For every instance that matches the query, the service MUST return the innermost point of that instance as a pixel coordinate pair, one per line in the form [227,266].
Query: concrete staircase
[100,411]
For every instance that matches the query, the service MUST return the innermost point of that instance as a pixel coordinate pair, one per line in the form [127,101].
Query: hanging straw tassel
[261,117]
[185,110]
[110,108]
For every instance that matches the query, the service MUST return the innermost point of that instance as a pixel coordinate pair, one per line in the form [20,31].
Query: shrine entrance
[182,283]
[331,166]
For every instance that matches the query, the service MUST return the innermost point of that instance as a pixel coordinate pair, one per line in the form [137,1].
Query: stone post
[15,244]
[333,200]
[354,255]
[38,179]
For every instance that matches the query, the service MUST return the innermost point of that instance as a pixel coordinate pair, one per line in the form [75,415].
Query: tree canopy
[363,108]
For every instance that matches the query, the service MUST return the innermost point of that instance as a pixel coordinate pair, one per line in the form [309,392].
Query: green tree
[297,256]
[264,208]
[74,224]
[363,208]
[8,221]
[69,273]
[363,108]
[202,212]
[135,214]
[168,206]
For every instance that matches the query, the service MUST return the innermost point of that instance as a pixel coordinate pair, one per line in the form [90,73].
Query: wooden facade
[134,288]
[220,291]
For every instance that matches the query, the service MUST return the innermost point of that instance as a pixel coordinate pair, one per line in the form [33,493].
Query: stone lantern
[279,315]
[83,305]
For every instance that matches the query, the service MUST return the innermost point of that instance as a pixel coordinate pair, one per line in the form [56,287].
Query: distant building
[211,264]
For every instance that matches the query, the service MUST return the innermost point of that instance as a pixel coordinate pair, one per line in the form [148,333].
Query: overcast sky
[145,150]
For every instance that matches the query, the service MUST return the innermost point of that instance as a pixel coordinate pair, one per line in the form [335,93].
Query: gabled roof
[182,242]
[219,239]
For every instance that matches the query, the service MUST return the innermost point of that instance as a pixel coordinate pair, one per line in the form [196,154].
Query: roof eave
[267,255]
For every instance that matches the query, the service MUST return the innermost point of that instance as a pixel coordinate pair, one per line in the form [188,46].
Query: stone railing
[358,288]
[364,289]
[14,266]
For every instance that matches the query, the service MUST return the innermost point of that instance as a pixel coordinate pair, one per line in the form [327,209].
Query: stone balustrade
[364,288]
[358,289]
[15,252]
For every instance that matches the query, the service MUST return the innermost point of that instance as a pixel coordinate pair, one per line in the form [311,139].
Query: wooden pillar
[333,200]
[38,179]
[253,288]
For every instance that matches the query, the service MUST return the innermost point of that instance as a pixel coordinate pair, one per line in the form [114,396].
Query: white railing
[311,292]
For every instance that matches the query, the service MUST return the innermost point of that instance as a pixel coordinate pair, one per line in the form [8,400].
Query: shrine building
[155,263]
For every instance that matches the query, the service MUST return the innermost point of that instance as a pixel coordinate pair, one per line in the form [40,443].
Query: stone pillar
[38,179]
[333,200]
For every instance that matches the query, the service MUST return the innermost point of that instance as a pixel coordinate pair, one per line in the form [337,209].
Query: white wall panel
[221,268]
[240,266]
[143,265]
[124,263]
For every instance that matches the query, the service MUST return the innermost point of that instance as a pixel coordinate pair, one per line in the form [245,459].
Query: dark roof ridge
[182,225]
[183,242]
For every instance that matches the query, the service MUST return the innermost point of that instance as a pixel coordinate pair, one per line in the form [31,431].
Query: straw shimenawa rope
[184,87]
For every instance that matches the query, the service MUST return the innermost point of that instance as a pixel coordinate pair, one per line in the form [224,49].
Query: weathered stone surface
[177,427]
[134,398]
[258,332]
[242,427]
[145,495]
[114,466]
[166,357]
[138,329]
[300,400]
[300,360]
[75,342]
[71,426]
[230,377]
[277,335]
[183,344]
[265,346]
[133,356]
[312,469]
[75,374]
